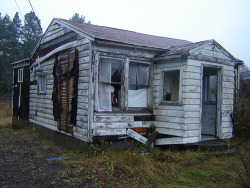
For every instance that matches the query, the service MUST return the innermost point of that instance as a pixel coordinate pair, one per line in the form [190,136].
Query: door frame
[219,98]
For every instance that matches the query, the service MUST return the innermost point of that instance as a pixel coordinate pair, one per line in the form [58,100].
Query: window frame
[123,107]
[148,86]
[121,84]
[41,90]
[179,101]
[20,78]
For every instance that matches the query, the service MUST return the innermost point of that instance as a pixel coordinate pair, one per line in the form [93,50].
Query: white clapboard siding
[109,132]
[117,125]
[117,118]
[176,140]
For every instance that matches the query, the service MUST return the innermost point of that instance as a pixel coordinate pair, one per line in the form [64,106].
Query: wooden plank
[137,136]
[191,95]
[82,112]
[170,119]
[81,124]
[176,140]
[109,132]
[117,125]
[36,122]
[178,132]
[170,107]
[172,113]
[81,137]
[193,69]
[113,118]
[191,82]
[192,75]
[169,125]
[169,131]
[191,88]
[191,101]
[190,114]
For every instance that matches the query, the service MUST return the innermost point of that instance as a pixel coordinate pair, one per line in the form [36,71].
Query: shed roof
[125,36]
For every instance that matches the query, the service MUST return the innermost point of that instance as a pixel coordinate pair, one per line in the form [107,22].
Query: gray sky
[226,21]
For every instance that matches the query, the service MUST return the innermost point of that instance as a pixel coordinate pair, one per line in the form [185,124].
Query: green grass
[161,168]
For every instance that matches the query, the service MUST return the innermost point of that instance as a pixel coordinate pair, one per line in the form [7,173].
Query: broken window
[109,87]
[138,85]
[20,75]
[171,88]
[41,86]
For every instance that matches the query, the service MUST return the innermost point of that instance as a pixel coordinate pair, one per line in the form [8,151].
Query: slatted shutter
[67,67]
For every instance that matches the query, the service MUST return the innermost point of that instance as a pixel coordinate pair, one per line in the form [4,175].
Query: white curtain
[104,89]
[138,98]
[138,75]
[110,71]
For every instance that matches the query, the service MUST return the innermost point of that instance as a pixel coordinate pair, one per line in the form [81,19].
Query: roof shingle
[126,37]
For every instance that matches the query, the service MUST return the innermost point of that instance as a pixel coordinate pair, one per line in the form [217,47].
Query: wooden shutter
[65,87]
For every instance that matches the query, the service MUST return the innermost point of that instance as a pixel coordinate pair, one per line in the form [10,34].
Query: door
[211,96]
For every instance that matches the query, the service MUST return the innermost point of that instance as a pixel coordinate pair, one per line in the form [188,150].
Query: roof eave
[23,60]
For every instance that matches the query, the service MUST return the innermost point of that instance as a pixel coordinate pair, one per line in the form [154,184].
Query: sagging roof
[125,36]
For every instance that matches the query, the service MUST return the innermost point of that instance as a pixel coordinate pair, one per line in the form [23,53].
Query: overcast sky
[226,21]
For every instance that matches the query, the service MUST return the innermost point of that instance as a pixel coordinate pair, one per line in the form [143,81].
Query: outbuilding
[92,82]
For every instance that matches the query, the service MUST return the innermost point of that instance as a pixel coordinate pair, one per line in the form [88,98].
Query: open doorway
[211,102]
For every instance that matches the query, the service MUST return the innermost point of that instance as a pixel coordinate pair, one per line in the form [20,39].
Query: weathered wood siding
[81,130]
[170,119]
[226,65]
[113,124]
[184,119]
[41,105]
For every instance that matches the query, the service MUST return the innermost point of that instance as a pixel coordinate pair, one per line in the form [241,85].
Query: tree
[16,43]
[10,50]
[79,19]
[31,33]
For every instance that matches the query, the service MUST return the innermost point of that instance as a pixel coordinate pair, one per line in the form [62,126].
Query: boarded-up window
[138,85]
[171,82]
[65,90]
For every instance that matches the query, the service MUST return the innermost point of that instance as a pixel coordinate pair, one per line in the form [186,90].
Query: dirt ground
[28,161]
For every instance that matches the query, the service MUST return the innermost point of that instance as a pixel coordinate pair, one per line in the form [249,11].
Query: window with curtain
[171,82]
[138,85]
[109,87]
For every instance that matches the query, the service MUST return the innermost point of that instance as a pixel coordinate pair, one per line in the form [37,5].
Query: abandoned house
[91,82]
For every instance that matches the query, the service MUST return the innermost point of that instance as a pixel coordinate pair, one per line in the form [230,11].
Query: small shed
[92,82]
[21,78]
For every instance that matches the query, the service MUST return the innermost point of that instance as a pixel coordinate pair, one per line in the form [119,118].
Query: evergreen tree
[31,33]
[79,19]
[16,43]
